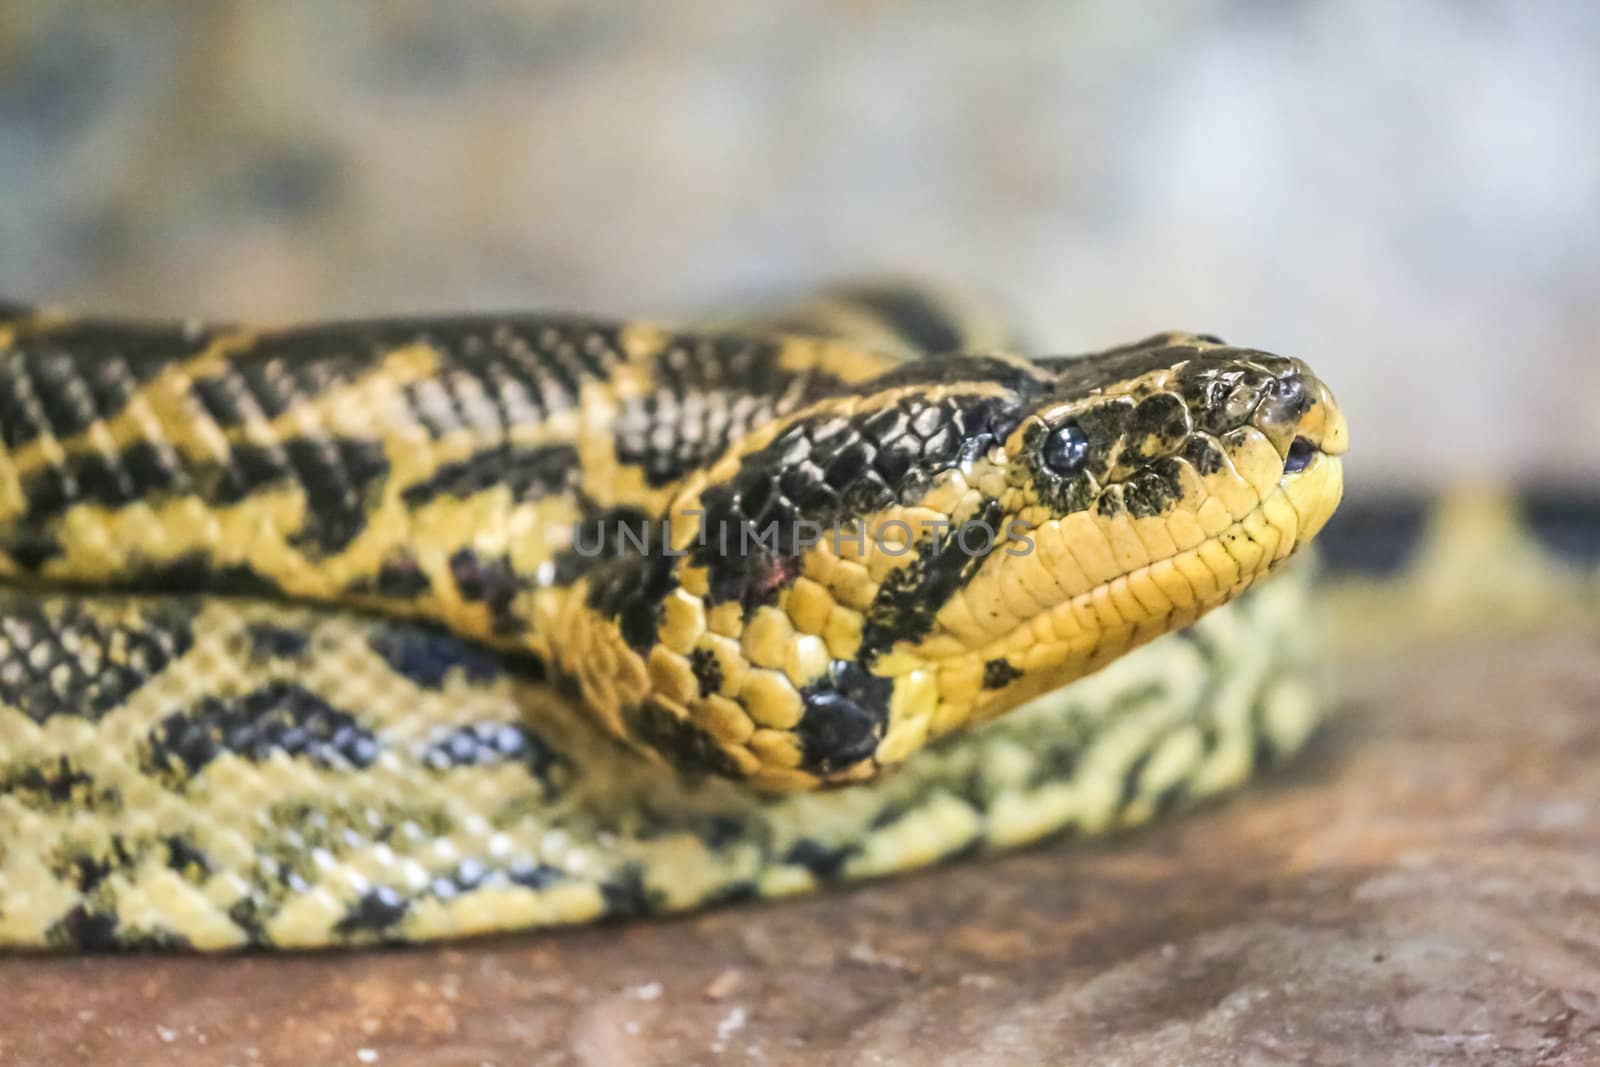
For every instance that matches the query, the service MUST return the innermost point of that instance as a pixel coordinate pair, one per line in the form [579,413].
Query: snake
[411,629]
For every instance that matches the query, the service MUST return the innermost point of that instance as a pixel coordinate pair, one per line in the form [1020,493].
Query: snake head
[954,537]
[1155,483]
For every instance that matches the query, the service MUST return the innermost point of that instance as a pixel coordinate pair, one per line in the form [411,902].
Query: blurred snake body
[413,629]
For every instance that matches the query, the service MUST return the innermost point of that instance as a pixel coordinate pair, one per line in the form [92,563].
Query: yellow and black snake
[420,628]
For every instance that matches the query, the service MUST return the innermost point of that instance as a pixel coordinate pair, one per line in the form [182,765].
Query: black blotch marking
[64,659]
[523,665]
[196,572]
[892,812]
[720,831]
[187,858]
[829,470]
[86,871]
[158,939]
[1153,491]
[342,479]
[492,582]
[109,479]
[603,535]
[1105,426]
[1566,521]
[825,862]
[1376,536]
[530,874]
[245,913]
[710,390]
[268,641]
[280,716]
[527,472]
[683,744]
[630,590]
[1130,777]
[402,579]
[707,670]
[526,369]
[1157,427]
[30,548]
[250,468]
[1204,455]
[625,894]
[426,655]
[1057,762]
[51,785]
[59,382]
[665,441]
[468,875]
[226,398]
[844,717]
[376,911]
[398,578]
[529,365]
[484,743]
[715,832]
[999,673]
[706,364]
[85,929]
[911,596]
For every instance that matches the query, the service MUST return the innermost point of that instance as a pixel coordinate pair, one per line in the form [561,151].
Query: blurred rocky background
[1404,194]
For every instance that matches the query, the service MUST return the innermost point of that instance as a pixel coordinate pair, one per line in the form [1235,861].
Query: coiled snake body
[412,629]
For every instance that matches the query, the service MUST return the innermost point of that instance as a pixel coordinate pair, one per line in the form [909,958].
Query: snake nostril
[1284,402]
[1300,455]
[1289,394]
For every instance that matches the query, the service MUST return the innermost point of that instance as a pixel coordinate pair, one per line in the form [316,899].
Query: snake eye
[1066,450]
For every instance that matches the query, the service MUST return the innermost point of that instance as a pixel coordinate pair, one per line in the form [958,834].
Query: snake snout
[1299,414]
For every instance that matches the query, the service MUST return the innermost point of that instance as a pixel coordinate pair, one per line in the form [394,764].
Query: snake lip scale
[401,629]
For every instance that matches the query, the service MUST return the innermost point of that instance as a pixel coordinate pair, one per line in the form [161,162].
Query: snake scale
[412,629]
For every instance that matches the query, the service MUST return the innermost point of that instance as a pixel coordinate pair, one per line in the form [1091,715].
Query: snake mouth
[1301,452]
[1079,634]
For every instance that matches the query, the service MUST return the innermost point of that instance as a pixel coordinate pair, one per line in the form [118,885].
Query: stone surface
[1423,887]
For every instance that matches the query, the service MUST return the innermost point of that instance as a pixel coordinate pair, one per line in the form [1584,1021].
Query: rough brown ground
[1424,887]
